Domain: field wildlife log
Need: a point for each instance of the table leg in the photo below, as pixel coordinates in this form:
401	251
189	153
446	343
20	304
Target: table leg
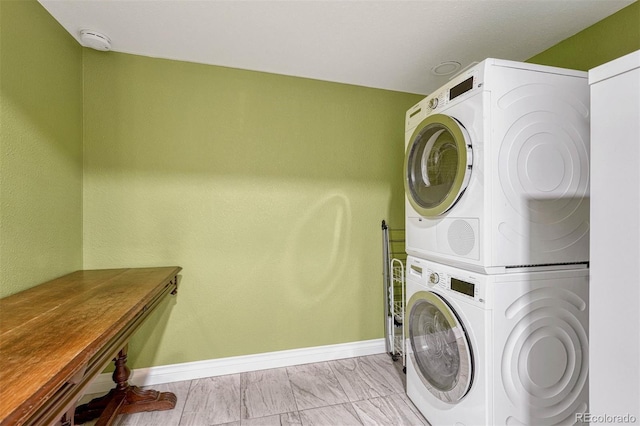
124	398
67	419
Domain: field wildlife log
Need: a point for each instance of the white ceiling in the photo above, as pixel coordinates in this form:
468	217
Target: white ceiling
390	44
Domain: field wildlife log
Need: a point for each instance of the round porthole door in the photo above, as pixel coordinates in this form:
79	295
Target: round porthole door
437	165
440	349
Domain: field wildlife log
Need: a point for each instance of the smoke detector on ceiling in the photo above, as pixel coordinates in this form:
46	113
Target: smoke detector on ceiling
95	40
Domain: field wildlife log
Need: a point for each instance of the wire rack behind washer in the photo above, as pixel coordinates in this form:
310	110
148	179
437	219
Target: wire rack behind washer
394	258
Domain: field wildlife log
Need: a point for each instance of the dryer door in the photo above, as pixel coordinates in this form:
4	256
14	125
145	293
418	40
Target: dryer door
437	165
440	349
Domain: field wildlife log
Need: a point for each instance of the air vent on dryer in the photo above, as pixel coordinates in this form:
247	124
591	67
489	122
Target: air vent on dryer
461	237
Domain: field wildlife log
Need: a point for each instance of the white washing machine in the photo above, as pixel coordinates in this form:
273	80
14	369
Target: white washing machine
497	169
508	349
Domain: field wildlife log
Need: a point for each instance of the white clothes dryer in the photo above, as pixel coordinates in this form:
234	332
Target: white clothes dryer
496	169
507	349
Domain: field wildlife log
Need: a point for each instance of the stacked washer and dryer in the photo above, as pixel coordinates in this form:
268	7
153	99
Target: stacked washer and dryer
497	237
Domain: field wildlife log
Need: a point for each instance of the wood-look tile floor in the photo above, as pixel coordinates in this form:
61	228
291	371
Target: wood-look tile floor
366	390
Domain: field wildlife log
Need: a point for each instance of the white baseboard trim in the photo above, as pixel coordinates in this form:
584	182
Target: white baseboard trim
240	364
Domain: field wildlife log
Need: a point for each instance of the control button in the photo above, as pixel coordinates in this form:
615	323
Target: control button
433	103
434	278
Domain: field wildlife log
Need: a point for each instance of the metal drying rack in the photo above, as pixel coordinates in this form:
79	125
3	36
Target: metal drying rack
394	258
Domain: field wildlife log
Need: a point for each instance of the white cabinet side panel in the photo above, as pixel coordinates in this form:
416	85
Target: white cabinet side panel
615	246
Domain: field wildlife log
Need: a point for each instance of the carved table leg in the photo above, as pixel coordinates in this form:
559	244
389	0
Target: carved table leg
124	398
67	418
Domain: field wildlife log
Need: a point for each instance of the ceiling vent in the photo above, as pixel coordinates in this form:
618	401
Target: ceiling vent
445	68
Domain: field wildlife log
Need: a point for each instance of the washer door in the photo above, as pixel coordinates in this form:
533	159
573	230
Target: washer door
437	165
440	347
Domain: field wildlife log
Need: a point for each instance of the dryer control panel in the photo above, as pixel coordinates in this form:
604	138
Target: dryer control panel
460	87
451	93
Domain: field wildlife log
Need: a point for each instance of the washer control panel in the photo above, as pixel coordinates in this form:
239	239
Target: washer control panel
455	282
461	286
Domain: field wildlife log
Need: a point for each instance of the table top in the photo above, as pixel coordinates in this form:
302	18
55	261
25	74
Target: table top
49	333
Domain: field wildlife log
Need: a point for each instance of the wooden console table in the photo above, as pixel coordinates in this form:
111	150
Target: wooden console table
56	337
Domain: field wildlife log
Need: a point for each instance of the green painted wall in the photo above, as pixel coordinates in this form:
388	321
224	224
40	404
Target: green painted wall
40	148
602	42
268	190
